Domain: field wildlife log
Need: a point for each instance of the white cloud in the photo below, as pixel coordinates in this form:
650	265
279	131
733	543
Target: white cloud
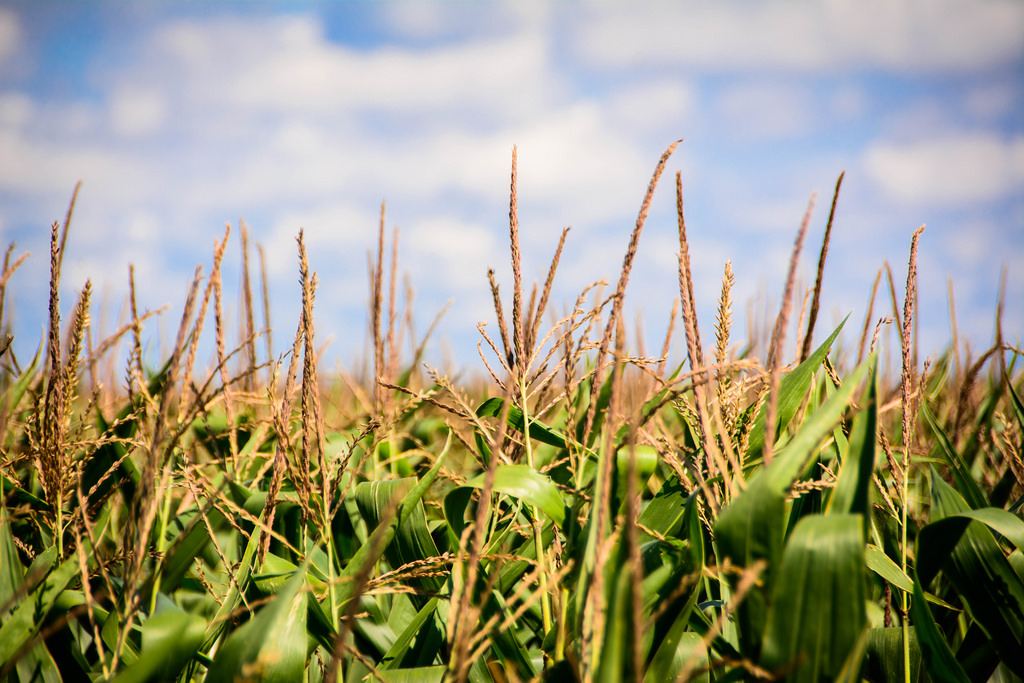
143	228
417	19
811	37
137	111
848	102
652	105
575	154
10	34
286	64
950	170
450	253
39	167
761	111
992	100
16	110
924	116
429	21
339	231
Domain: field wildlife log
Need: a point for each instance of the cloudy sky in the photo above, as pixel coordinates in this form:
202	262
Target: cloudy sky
181	117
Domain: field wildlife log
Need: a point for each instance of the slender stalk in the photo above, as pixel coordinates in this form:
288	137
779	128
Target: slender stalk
775	348
161	547
542	554
908	369
812	317
521	369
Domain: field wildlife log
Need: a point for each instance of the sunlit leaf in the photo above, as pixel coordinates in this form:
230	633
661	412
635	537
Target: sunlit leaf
272	645
817	614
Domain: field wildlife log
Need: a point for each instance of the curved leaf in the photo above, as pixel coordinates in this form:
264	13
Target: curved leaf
29	616
528	485
412	541
272	645
880	564
752	527
853	488
493	407
885	655
961	543
170	639
792	391
818	614
408	637
938	658
961	472
423	674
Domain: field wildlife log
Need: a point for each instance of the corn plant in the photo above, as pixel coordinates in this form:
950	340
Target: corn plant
579	510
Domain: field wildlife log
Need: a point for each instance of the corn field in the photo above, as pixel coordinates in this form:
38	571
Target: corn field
581	510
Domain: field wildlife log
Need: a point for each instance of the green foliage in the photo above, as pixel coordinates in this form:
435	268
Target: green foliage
581	517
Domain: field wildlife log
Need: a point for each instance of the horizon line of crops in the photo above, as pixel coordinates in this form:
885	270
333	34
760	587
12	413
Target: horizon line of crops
590	513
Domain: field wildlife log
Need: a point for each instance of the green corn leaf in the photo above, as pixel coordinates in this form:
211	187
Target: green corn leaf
411	636
12	574
98	465
603	398
792	391
852	490
940	537
528	485
374	498
412	541
880	564
851	669
37	663
234	597
191	540
24	623
16	391
275	574
276	571
539	431
679	649
790	462
455	504
681	644
664	513
884	662
14	494
984	424
752	527
818	614
1018	405
961	471
960	541
645	464
661	582
423	674
510	572
110	632
373	633
938	658
170	640
616	656
978	657
272	645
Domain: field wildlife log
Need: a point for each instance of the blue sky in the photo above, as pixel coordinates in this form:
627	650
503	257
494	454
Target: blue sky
179	117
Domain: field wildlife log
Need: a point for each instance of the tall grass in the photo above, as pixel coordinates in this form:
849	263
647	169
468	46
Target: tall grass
586	512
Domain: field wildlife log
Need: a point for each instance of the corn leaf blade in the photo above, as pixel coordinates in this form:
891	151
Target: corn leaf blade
818	611
272	645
